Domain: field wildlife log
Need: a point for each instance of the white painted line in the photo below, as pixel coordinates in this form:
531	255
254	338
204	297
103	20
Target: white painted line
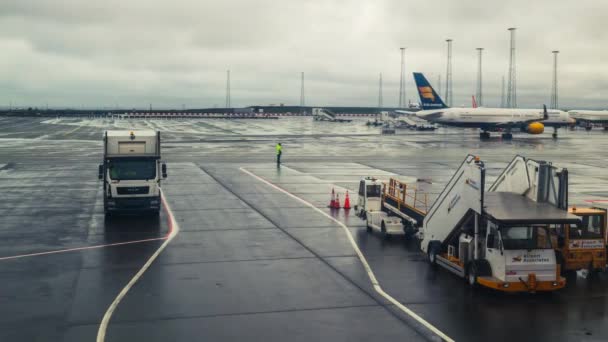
80	248
174	230
366	266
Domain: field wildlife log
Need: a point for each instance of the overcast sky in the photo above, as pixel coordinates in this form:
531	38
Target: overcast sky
134	52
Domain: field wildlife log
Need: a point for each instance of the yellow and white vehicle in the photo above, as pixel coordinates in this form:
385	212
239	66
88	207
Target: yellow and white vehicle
583	245
499	238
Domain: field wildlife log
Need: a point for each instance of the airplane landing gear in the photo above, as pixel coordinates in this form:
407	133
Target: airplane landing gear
484	135
507	136
554	133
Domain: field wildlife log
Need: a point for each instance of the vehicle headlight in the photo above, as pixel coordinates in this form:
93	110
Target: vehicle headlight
505	285
554	283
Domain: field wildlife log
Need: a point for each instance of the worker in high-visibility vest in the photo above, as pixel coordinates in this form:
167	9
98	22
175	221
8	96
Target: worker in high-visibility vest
279	148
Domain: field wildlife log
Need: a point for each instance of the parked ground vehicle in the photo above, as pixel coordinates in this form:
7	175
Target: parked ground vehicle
131	171
391	208
500	238
582	245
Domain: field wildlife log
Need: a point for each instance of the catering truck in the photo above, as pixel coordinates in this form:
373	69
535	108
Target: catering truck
131	172
500	238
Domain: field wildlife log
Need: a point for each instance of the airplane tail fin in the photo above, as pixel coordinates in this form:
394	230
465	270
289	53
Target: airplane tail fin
429	99
545	114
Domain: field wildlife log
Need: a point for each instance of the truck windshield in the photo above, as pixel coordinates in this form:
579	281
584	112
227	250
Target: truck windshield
374	190
130	169
525	237
591	227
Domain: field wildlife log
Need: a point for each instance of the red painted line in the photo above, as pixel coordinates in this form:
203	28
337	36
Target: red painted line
595	200
169	223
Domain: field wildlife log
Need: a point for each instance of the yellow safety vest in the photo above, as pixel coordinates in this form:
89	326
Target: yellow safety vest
279	148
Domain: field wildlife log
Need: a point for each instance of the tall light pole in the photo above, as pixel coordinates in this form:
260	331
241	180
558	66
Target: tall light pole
380	91
302	98
479	94
502	94
448	75
511	85
402	80
554	101
227	88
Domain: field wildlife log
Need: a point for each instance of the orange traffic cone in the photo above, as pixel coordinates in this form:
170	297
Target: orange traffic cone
347	201
337	201
332	202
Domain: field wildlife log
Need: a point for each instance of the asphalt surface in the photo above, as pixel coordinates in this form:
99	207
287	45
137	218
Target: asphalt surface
252	262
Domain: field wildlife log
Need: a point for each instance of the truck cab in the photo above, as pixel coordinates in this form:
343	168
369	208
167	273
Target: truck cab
370	196
583	245
131	172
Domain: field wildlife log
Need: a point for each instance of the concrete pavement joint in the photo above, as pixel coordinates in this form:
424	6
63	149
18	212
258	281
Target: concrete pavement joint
173	231
363	260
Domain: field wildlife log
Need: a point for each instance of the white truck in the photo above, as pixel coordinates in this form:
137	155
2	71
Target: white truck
131	172
384	208
500	238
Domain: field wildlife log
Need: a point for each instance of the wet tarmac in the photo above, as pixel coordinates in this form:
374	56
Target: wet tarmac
249	261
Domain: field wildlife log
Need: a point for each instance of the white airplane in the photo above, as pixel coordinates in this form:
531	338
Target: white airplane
531	121
590	117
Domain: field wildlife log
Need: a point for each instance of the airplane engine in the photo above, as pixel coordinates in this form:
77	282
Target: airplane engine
535	128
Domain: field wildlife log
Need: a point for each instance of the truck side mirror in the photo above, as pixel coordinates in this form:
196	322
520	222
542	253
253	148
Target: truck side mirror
490	241
164	170
100	174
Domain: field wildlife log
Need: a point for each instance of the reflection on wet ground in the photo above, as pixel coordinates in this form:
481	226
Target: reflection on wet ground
250	256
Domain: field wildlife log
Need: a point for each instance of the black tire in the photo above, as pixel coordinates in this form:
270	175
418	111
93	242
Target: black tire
559	259
472	275
363	215
477	268
368	227
433	251
383	231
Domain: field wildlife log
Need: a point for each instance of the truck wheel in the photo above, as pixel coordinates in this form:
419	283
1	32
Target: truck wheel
368	227
472	275
559	259
383	231
477	268
363	215
432	252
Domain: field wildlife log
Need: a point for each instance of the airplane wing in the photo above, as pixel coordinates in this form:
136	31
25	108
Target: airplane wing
405	112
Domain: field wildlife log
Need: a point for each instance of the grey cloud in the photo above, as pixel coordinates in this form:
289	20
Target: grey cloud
174	52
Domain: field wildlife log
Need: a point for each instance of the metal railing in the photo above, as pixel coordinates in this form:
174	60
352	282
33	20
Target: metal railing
405	194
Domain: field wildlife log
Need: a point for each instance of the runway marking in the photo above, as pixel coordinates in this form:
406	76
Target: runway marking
362	258
81	248
173	231
74	130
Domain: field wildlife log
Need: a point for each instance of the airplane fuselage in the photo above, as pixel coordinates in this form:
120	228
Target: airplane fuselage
489	118
592	116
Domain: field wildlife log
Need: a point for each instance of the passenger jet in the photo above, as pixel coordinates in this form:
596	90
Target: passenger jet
532	121
590	117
